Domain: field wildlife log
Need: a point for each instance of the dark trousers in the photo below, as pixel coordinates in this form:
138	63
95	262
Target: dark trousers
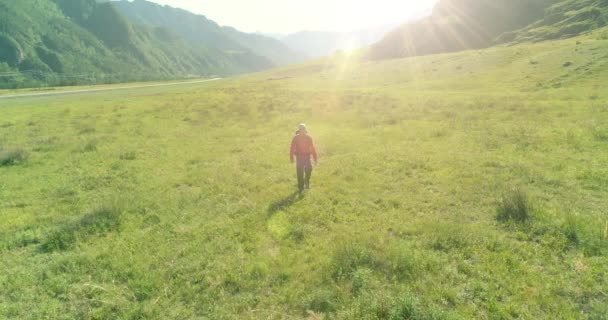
303	170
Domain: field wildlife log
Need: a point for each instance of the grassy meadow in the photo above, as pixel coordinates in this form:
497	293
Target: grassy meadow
460	186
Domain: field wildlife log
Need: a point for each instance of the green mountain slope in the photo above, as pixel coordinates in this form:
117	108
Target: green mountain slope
199	30
57	42
563	20
28	44
459	25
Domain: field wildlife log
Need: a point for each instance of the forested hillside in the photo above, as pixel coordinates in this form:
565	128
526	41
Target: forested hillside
66	42
199	30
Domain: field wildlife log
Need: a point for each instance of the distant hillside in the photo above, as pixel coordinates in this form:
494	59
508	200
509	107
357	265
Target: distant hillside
459	25
197	29
319	43
563	20
67	42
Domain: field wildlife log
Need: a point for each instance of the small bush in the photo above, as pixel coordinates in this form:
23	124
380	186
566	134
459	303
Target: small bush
514	206
12	157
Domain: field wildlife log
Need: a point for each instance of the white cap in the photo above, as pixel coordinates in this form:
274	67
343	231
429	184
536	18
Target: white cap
302	127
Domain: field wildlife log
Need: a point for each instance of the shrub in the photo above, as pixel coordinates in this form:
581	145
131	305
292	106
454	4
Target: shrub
514	206
12	157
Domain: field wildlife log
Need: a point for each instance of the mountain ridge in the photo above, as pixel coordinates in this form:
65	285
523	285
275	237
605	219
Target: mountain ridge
457	25
200	30
323	43
70	42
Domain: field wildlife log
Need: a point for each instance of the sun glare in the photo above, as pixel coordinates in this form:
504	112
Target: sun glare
288	16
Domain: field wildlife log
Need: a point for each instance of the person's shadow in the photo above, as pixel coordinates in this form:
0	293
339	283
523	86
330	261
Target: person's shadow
284	203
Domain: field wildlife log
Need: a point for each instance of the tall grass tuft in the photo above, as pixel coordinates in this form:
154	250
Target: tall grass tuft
12	157
99	221
321	301
514	206
347	259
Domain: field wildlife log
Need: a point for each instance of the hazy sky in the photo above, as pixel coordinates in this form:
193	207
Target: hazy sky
286	16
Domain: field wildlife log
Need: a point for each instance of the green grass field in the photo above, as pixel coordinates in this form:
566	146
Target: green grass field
460	186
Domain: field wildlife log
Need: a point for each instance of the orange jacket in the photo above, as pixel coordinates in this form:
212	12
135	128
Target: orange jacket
302	145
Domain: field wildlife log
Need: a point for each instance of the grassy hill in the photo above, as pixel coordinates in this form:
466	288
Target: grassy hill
469	185
457	25
61	42
563	20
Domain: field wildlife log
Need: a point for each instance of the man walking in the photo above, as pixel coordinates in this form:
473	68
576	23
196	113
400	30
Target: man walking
302	147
